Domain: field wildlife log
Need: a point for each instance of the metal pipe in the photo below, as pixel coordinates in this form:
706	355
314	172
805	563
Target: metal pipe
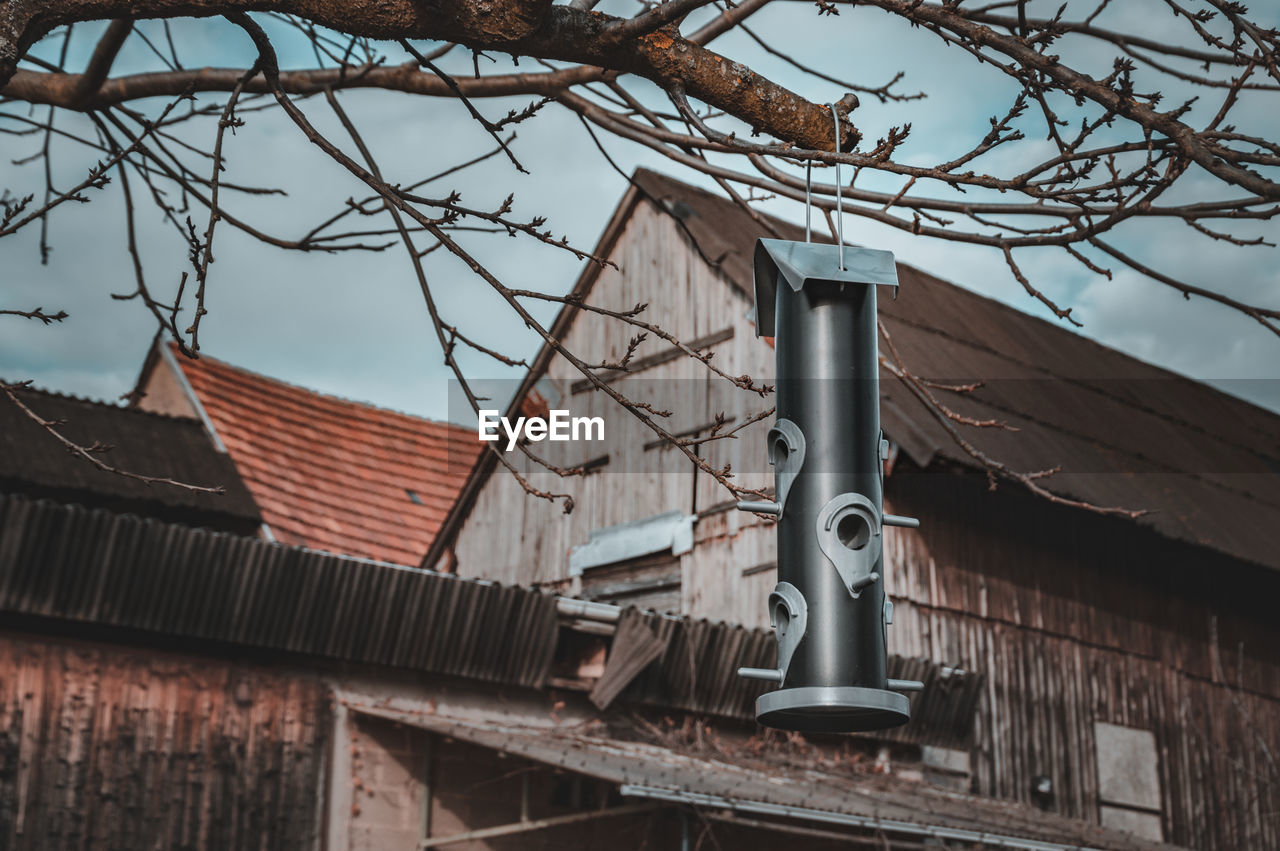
905	685
772	675
767	506
828	385
571	607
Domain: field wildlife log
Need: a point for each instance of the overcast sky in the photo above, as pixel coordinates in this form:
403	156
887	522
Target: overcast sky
354	324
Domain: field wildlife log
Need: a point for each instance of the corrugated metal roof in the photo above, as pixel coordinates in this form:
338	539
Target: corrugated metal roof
583	750
698	672
94	566
34	463
332	474
1125	433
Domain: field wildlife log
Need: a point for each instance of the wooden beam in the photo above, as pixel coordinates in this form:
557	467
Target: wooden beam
878	841
535	824
641	364
692	431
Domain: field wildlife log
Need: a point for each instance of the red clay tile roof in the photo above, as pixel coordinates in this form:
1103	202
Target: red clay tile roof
332	474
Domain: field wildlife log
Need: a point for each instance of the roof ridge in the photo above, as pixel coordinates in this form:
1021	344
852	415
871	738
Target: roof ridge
989	303
98	403
288	405
1063	329
1089	384
289	385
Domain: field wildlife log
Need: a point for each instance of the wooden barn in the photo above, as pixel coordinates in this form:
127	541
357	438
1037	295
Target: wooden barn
338	654
171	679
1130	667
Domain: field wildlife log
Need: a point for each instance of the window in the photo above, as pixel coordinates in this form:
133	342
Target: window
635	564
648	582
1128	780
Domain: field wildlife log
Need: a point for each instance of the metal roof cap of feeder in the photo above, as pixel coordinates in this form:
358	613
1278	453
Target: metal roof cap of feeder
800	262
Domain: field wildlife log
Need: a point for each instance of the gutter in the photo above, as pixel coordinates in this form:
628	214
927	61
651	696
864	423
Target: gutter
980	837
589	610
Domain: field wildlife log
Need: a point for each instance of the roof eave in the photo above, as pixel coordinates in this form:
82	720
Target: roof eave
486	461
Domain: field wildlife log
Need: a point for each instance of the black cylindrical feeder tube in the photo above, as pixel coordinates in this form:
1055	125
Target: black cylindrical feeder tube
828	384
828	609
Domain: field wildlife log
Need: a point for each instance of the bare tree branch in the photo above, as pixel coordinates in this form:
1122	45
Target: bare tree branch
1078	155
37	314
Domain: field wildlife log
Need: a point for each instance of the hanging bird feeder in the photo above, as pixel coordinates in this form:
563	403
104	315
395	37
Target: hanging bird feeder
829	610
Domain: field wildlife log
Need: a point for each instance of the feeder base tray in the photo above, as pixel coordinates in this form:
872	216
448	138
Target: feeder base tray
832	709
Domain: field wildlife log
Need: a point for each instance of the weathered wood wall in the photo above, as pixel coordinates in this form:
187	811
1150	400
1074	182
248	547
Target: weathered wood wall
512	538
1076	619
1073	619
110	748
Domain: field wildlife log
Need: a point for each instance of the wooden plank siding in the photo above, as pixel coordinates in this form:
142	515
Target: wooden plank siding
104	747
510	537
1076	619
1073	619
